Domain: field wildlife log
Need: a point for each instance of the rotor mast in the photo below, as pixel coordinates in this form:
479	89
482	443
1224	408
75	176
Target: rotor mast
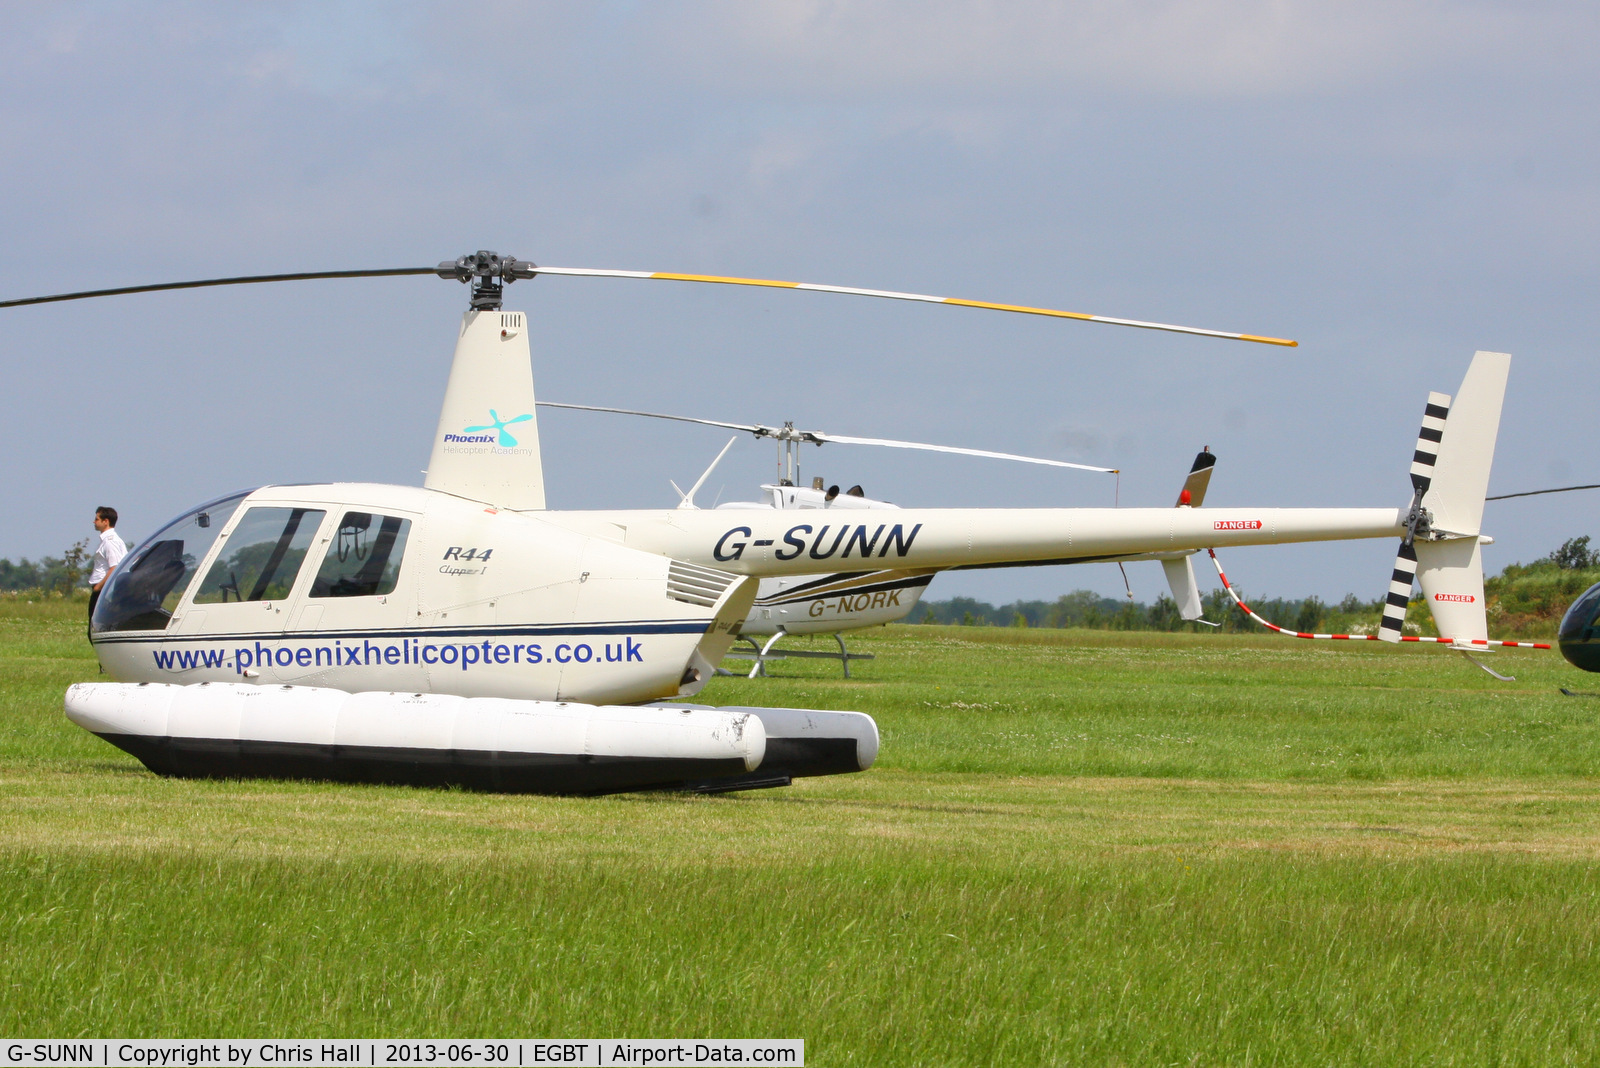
789	440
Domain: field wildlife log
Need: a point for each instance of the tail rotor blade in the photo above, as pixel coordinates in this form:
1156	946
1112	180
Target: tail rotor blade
1399	597
1428	438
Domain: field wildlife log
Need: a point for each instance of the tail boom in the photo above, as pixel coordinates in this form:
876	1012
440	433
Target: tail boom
771	544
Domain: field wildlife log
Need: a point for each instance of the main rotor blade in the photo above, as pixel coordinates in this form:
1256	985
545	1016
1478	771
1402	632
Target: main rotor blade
819	438
386	272
758	431
586	272
521	269
842	440
1535	493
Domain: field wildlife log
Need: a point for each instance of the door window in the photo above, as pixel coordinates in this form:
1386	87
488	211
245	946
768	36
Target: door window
262	556
364	558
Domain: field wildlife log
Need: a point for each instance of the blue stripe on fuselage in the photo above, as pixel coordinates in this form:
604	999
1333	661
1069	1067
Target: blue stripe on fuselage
394	633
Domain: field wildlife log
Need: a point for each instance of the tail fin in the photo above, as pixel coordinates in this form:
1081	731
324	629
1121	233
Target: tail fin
478	452
1194	487
1180	571
1461	474
1450	476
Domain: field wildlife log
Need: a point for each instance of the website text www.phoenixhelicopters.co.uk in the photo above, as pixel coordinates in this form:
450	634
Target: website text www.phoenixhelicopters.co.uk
464	655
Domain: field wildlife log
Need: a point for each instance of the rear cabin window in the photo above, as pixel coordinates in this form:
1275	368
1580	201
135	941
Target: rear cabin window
364	558
262	556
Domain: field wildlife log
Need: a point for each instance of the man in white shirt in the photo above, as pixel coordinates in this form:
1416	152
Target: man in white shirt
110	553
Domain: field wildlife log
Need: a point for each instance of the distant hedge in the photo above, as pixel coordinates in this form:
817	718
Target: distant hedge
1523	601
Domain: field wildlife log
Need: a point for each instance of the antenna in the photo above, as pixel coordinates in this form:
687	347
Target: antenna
688	498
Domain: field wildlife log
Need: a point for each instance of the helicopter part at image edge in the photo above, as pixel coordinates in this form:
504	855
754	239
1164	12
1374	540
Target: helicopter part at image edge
229	730
1579	633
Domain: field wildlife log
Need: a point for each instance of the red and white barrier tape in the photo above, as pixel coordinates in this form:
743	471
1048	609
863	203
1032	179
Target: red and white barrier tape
1479	642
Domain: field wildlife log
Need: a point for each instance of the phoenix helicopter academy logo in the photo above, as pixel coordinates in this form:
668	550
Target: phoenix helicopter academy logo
1236	524
493	432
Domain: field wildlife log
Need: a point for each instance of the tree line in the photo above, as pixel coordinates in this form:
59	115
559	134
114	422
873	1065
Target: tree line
49	574
1524	600
1092	611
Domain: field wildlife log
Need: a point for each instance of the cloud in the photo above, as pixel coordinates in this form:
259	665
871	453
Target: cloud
1078	441
1157	47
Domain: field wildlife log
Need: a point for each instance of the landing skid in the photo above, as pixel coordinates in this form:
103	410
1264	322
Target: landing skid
762	653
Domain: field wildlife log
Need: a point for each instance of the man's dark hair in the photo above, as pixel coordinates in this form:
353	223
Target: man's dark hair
108	514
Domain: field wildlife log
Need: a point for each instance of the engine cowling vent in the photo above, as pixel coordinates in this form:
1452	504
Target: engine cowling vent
697	585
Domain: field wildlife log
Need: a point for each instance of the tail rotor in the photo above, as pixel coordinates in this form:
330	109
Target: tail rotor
1441	549
1417	518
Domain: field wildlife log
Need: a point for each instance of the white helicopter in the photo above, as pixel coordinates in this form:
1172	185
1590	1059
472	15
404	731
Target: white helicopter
826	604
462	633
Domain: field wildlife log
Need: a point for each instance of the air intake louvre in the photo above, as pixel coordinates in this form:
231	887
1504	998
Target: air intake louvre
697	585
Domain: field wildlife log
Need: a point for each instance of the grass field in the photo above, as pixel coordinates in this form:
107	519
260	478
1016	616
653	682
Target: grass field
1077	848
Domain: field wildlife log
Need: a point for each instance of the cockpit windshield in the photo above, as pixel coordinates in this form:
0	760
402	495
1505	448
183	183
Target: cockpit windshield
147	586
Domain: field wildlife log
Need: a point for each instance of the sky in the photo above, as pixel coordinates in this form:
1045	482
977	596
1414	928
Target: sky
1395	185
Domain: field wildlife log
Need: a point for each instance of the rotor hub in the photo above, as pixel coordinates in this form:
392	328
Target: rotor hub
1418	523
489	273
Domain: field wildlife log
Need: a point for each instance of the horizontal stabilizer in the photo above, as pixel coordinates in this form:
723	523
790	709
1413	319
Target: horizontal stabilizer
1180	576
